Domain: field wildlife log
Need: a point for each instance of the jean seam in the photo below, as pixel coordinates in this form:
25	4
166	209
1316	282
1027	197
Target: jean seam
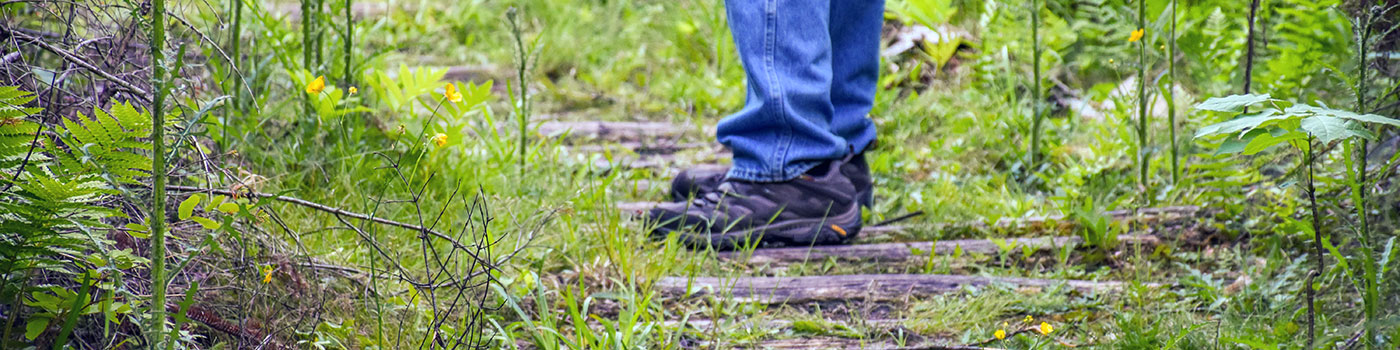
779	109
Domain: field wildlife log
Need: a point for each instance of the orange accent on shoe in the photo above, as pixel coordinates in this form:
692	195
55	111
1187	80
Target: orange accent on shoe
839	230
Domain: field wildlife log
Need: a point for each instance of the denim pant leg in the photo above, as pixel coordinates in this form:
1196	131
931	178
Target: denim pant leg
855	65
784	129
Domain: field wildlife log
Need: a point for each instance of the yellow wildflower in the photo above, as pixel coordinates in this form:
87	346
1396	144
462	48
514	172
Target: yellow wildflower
1000	334
353	90
1046	328
267	275
317	85
1137	35
440	139
452	94
1028	319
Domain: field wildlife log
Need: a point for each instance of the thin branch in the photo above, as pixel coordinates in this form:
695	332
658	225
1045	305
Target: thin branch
140	93
313	205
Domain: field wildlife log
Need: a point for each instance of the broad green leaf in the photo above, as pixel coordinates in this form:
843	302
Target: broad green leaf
1268	140
1236	144
138	230
1364	118
229	208
1232	103
206	222
214	203
35	327
1327	128
187	206
1244	123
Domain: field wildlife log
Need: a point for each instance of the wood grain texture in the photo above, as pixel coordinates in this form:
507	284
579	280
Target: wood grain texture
903	251
784	290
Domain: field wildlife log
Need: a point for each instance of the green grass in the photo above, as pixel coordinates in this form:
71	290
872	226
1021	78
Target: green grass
952	144
949	147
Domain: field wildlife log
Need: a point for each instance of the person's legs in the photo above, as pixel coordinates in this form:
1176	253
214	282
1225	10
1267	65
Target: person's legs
855	64
785	127
794	180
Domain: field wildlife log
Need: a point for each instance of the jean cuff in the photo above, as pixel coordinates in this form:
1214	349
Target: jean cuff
792	171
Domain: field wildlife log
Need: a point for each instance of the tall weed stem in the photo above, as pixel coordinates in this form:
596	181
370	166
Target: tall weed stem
522	107
1142	96
1036	118
1357	181
157	217
1170	93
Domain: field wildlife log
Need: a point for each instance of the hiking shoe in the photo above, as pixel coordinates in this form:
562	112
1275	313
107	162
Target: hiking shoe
818	208
690	183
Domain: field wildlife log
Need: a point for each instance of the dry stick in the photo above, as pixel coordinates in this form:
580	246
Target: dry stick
140	93
56	36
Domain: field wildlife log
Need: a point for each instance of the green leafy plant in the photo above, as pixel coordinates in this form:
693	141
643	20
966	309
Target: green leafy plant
53	202
1143	143
1298	125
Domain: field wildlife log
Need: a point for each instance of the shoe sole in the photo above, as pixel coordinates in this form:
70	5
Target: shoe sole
835	229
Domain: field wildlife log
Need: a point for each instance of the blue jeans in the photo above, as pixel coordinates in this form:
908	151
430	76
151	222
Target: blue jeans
811	81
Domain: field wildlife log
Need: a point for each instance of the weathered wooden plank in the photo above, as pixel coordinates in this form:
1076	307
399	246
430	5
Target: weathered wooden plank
632	131
1147	213
784	290
891	252
475	73
636	209
837	343
649	147
706	325
292	10
655	161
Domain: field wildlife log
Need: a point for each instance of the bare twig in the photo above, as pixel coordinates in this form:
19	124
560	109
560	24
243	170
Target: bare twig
316	206
140	93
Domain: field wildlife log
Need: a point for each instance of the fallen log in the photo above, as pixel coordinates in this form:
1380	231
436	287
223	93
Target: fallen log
785	290
891	252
